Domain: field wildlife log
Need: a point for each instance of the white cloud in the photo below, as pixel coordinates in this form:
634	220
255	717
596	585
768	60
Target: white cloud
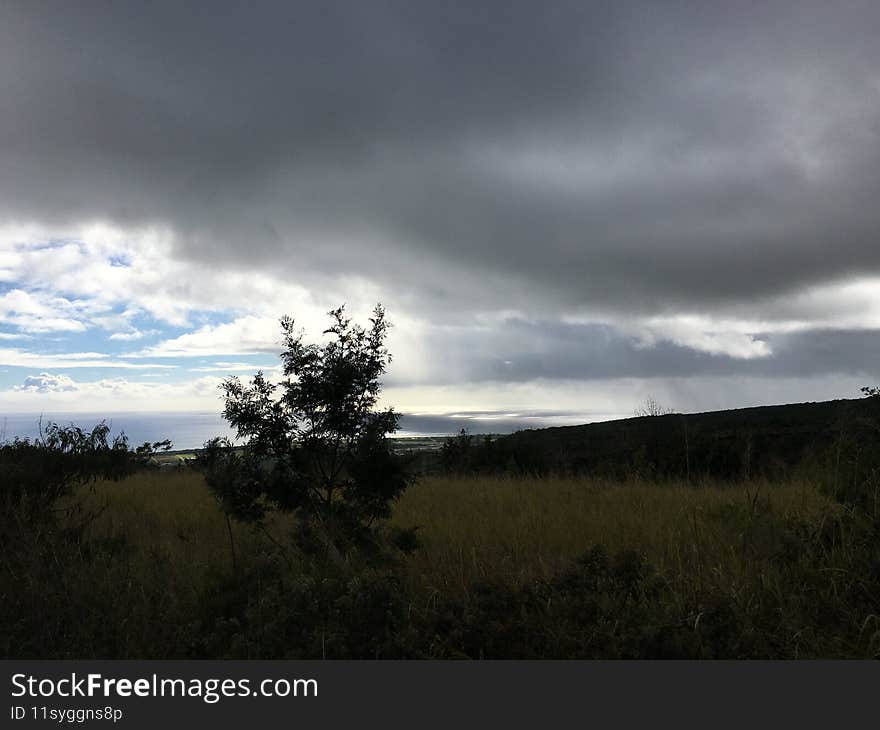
134	334
231	367
95	268
248	335
29	313
23	358
48	392
704	335
46	383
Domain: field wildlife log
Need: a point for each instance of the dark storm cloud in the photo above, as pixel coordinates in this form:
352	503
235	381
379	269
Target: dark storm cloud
632	157
518	351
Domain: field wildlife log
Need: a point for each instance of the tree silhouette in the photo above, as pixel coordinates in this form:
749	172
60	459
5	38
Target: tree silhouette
314	444
652	408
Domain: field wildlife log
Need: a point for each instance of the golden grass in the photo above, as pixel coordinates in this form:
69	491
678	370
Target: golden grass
512	530
171	520
522	529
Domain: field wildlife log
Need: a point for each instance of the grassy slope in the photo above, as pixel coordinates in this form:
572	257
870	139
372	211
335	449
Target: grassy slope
479	529
742	569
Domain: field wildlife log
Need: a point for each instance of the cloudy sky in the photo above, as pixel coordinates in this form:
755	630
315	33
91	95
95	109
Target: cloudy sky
566	207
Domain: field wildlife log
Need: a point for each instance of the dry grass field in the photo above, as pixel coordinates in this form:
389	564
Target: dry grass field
514	567
522	529
481	529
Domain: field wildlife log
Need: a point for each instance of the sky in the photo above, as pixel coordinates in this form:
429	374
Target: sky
566	208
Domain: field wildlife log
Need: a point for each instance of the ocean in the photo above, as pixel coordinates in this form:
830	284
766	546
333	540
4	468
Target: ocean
186	430
191	430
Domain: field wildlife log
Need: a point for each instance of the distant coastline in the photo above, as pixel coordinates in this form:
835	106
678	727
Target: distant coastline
191	430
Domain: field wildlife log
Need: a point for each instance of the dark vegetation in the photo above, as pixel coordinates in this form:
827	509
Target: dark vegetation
767	442
47	561
318	450
317	477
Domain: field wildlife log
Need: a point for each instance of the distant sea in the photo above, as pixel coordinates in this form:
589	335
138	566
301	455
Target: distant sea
191	430
186	430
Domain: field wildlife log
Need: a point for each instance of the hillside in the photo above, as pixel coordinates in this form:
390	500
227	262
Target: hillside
768	441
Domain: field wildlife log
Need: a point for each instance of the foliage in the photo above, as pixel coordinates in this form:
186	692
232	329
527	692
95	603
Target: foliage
61	592
34	475
851	464
314	444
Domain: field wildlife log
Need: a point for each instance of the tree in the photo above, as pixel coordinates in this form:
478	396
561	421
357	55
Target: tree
652	408
456	453
314	444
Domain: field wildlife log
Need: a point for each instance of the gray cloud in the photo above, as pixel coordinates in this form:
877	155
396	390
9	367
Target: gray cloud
520	351
628	158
